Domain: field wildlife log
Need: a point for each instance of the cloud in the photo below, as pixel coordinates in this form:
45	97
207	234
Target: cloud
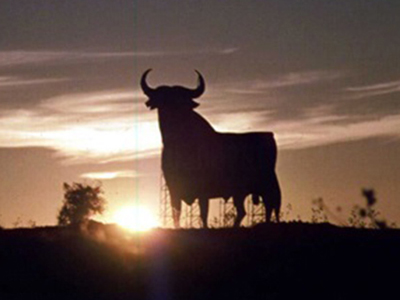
104	127
15	58
20	57
287	80
94	102
373	90
322	127
240	121
298	78
111	175
99	135
15	82
315	133
113	125
319	126
229	50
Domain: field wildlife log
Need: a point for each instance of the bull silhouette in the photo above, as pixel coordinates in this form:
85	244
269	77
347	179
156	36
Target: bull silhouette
201	163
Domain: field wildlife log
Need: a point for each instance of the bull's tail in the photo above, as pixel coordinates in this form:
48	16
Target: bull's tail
273	199
276	196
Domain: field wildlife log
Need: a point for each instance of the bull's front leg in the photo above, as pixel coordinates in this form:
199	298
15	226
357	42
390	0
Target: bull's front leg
176	211
238	201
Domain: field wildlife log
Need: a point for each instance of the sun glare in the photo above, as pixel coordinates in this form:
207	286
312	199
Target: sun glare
136	218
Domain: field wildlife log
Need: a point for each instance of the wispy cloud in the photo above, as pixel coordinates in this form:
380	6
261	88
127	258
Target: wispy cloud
15	82
283	81
94	102
19	57
106	136
11	58
320	126
113	125
240	121
315	132
110	130
298	78
111	175
374	90
229	50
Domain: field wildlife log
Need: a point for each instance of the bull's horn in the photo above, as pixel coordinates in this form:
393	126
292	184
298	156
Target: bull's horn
146	89
197	92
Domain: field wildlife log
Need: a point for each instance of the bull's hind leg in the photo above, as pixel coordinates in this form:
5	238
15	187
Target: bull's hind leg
268	208
203	203
272	198
238	201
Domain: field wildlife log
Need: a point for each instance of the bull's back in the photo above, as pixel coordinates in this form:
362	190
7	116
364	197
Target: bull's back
251	148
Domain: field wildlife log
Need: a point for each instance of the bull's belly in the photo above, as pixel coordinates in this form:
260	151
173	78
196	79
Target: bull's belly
193	188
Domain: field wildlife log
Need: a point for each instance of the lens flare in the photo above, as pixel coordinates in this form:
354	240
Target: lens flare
136	218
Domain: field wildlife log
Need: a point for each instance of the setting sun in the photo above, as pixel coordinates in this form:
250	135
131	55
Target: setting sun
135	218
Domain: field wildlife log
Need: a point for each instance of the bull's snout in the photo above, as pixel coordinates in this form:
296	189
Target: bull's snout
149	105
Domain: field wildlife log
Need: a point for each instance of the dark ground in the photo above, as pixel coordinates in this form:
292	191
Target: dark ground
285	261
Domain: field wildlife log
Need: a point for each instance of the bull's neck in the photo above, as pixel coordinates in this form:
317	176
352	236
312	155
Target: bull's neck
182	126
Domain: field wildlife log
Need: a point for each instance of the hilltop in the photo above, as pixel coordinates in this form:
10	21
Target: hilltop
268	261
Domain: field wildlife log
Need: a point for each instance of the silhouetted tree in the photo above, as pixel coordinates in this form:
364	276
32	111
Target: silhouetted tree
81	201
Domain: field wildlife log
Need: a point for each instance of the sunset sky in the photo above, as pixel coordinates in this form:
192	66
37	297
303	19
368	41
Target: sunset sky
323	75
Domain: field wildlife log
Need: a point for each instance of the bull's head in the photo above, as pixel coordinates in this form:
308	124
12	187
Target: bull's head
172	96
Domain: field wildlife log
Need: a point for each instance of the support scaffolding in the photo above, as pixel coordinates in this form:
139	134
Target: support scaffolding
165	217
190	214
254	213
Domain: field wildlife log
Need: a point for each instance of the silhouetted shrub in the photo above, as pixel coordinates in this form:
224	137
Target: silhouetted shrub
18	222
360	216
81	201
368	216
318	211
